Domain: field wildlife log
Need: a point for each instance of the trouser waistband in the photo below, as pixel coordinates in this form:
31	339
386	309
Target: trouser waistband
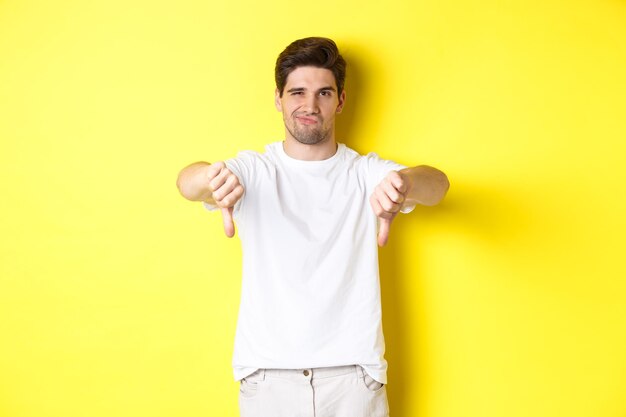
312	373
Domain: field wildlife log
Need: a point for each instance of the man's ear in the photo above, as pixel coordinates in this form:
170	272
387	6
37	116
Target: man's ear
277	102
342	100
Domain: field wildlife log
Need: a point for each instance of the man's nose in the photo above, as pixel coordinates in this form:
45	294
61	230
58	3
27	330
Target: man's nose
311	104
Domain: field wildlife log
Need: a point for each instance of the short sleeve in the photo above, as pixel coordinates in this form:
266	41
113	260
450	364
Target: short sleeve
377	169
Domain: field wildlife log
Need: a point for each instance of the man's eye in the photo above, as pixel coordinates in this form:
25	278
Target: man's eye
325	93
296	93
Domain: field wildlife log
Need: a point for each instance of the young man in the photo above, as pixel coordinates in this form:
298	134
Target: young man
309	211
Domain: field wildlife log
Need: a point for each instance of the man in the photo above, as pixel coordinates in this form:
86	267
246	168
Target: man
309	211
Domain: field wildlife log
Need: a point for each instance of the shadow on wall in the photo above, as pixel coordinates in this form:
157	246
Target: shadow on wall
357	92
487	214
493	213
473	212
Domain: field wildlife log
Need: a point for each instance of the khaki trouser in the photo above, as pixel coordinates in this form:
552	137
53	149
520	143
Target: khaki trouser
342	391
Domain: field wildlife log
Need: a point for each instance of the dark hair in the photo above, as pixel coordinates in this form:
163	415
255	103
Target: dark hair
315	52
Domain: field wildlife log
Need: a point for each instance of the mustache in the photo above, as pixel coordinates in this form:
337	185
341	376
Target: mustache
308	115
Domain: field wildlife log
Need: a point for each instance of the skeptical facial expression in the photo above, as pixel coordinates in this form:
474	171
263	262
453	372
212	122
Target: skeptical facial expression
309	104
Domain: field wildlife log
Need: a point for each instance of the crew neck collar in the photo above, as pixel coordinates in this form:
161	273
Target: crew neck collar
336	155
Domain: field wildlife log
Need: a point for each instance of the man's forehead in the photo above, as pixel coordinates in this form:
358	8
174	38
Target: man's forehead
311	77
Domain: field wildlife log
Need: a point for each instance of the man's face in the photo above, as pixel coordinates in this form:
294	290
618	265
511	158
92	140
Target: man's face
309	104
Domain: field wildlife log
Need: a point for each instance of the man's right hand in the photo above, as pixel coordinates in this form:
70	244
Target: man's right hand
226	190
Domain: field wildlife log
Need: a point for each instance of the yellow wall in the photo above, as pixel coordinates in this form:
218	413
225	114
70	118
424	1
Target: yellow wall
119	298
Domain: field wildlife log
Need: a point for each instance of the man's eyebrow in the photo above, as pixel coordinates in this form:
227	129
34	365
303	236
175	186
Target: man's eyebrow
297	89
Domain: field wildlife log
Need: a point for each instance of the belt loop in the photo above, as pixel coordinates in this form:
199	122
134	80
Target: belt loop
359	371
262	374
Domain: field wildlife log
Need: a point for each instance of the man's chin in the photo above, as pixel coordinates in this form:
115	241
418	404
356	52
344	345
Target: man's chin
308	136
309	141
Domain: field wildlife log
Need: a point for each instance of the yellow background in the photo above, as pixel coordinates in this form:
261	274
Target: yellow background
119	298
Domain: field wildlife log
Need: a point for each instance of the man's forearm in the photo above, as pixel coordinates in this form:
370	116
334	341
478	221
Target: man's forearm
193	183
427	185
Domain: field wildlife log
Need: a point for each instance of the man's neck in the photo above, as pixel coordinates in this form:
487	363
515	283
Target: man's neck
317	152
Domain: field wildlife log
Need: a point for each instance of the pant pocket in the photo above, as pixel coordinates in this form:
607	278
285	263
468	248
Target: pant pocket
249	386
371	384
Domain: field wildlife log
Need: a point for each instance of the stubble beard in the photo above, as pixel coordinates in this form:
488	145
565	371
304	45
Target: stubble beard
306	136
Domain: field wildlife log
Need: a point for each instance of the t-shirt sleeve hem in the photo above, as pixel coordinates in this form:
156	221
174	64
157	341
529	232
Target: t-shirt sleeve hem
210	207
407	209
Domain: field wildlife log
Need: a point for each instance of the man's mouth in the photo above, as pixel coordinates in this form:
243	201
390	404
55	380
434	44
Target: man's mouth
306	120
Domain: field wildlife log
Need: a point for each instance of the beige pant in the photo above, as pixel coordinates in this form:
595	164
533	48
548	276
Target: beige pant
342	391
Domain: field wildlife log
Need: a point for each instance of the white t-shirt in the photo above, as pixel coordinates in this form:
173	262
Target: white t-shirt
310	294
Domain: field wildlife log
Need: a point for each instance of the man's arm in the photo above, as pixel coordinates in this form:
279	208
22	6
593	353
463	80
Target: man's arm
422	184
425	185
214	184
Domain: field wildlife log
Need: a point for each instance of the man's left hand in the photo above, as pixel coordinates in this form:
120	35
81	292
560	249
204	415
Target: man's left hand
387	200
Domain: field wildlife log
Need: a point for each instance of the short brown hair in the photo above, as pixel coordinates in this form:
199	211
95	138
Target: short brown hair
315	52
